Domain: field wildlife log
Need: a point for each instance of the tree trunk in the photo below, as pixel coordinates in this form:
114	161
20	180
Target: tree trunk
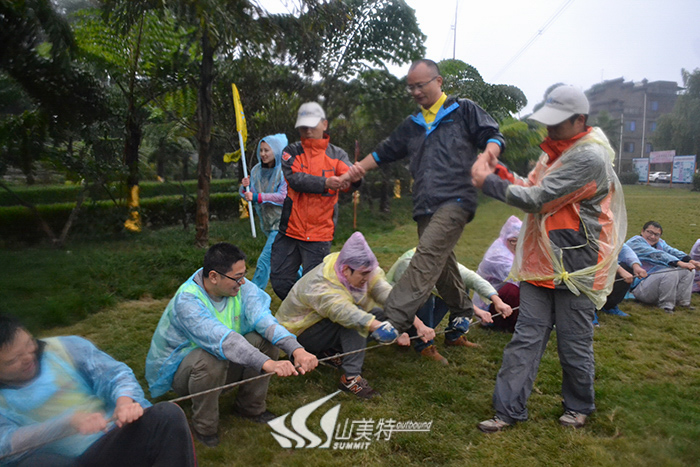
206	122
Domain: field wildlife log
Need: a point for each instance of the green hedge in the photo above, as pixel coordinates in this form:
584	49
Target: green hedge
104	217
629	178
53	194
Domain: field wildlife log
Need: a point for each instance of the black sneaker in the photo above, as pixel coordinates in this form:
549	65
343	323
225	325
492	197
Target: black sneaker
261	418
358	386
210	441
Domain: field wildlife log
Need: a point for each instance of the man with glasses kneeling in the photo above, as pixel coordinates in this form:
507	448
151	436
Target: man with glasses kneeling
216	330
670	271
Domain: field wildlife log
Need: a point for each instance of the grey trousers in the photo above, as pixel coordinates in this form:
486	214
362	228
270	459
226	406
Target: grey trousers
540	310
201	370
666	289
433	265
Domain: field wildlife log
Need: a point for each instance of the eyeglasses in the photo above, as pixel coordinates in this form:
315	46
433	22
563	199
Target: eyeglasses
238	281
652	234
419	86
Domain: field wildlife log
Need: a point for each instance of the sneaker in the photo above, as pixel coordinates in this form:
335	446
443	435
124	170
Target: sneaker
386	333
460	324
260	418
573	419
493	425
210	441
669	310
461	341
616	312
327	357
358	386
431	353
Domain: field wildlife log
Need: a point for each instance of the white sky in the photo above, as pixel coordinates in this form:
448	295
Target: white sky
590	40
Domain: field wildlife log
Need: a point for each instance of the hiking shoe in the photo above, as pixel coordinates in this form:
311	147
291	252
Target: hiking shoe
461	341
493	425
573	419
327	357
386	333
260	418
431	353
616	312
210	441
460	325
358	386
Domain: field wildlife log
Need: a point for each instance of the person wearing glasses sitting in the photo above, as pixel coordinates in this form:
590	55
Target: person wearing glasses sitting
442	140
670	271
216	330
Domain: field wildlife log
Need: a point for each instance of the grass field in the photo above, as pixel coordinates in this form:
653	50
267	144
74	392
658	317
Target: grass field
647	366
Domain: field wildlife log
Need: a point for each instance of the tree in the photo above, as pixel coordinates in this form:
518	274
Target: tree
611	128
463	80
680	130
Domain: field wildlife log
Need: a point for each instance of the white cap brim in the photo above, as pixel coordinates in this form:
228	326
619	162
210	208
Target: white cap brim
550	116
310	122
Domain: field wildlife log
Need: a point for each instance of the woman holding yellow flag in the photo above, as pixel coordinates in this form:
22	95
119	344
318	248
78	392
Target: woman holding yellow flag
267	192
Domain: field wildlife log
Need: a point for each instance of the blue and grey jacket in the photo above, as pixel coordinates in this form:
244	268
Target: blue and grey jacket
442	153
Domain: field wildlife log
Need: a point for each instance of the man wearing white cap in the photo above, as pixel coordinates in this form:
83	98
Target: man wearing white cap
567	258
312	168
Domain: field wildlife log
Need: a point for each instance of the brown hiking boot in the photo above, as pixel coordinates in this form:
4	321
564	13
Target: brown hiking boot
431	353
460	342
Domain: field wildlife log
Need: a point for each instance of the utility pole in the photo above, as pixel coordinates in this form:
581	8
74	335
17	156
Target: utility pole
622	130
454	39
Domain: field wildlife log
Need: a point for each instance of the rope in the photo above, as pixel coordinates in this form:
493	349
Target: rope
662	271
65	434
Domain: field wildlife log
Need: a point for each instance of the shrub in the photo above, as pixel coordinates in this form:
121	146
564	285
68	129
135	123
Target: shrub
104	217
696	182
628	178
50	194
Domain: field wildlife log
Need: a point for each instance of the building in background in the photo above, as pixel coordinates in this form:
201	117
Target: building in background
636	108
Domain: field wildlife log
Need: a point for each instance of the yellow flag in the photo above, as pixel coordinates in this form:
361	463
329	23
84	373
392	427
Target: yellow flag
240	116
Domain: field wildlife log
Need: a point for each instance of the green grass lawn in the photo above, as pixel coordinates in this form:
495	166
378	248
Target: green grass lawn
648	365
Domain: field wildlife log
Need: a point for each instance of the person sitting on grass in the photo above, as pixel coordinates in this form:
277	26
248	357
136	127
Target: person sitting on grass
495	268
64	402
670	271
629	267
216	330
335	306
695	255
434	309
268	189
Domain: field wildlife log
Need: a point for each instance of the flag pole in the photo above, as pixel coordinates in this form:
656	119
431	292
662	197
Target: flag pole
241	128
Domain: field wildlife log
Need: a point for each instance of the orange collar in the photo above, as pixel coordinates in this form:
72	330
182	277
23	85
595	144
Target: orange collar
555	148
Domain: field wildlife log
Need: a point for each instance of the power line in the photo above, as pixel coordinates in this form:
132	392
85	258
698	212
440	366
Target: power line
539	32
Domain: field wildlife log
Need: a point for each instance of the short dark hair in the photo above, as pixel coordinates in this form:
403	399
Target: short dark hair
653	224
221	257
573	118
9	325
432	66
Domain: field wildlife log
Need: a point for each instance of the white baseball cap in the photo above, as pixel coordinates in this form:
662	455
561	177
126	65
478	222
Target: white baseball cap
560	104
310	114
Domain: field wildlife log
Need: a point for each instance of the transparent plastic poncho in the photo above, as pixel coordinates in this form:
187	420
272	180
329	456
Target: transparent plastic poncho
582	179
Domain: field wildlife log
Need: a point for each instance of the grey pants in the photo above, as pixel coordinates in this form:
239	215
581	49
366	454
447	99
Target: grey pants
668	288
201	370
540	310
433	265
327	335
